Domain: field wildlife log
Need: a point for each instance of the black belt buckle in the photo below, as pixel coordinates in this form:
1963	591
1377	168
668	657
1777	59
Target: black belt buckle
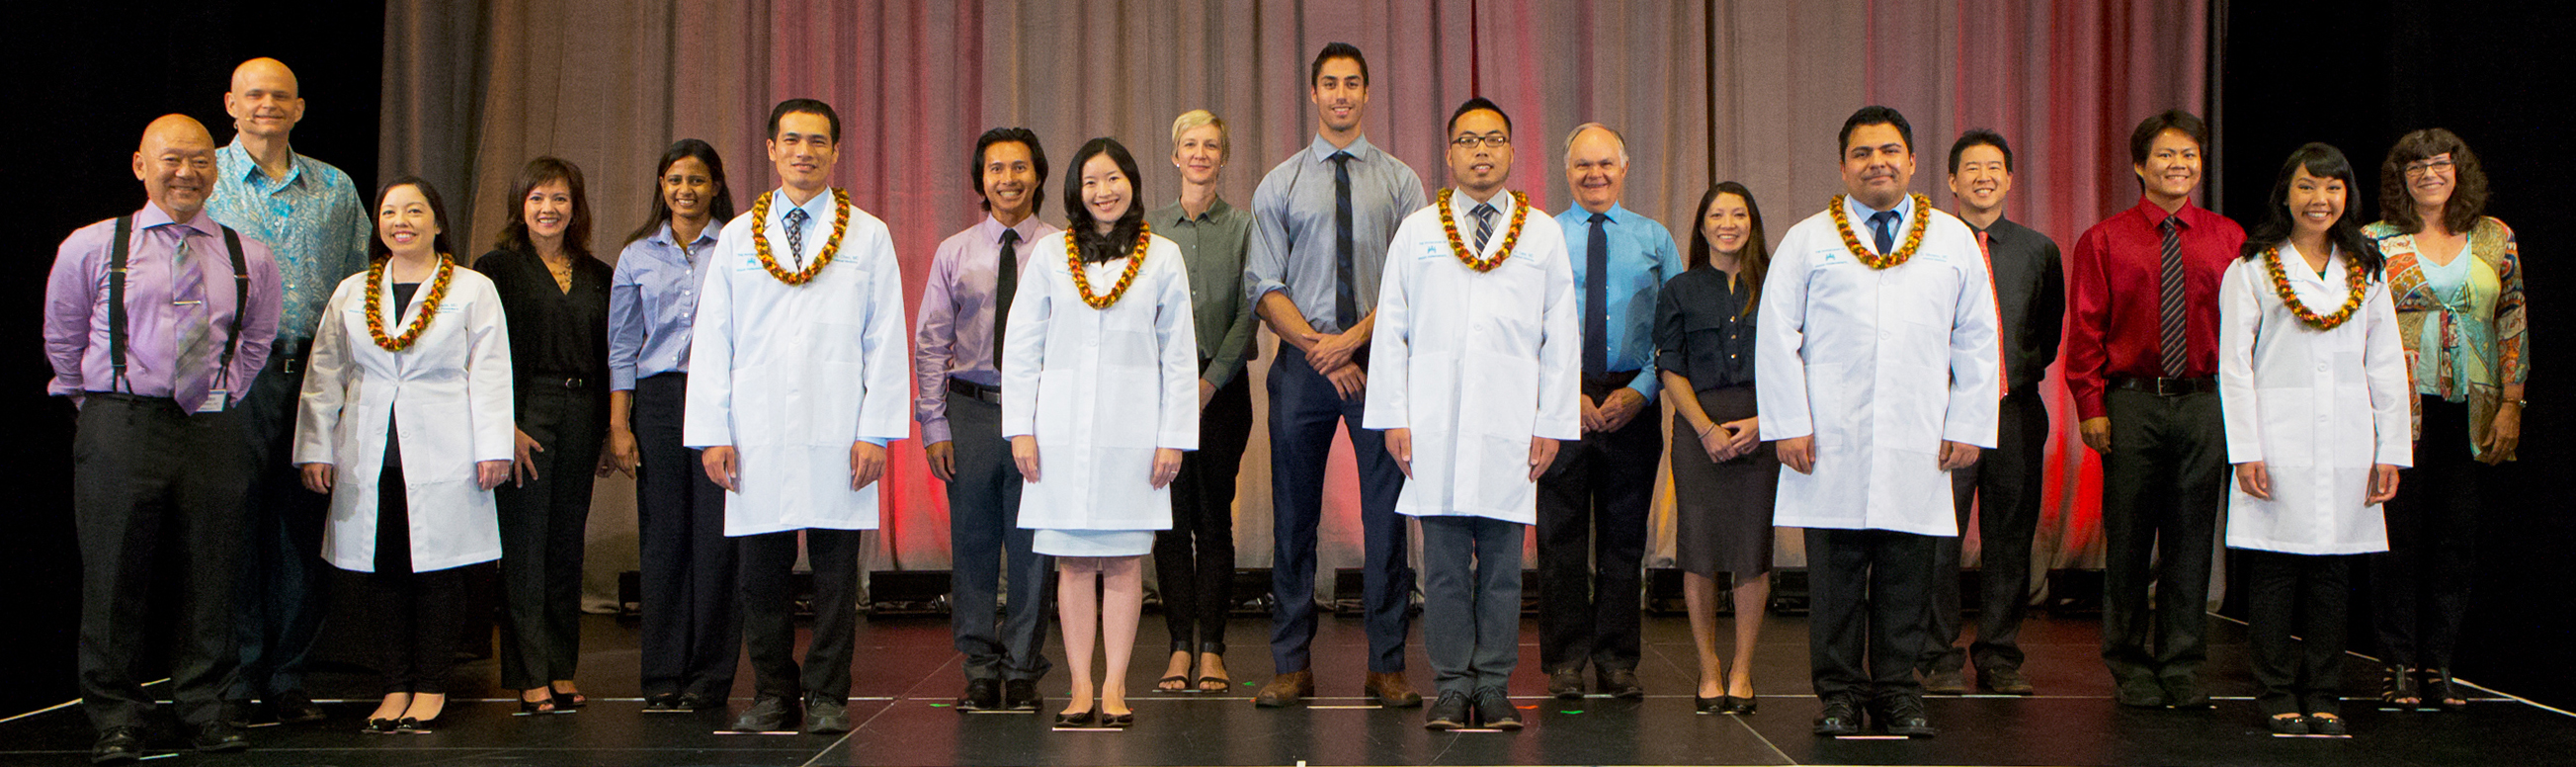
962	387
573	383
290	365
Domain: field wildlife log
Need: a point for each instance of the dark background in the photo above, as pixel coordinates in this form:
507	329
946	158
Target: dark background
2353	74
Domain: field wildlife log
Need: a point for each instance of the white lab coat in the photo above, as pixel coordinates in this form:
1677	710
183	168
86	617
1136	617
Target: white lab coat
1101	389
1880	366
450	391
1475	363
2318	408
792	375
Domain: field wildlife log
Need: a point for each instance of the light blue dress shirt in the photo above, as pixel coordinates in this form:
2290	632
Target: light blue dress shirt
1642	258
652	299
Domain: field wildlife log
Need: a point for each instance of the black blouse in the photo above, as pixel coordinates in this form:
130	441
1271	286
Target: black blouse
1702	332
553	334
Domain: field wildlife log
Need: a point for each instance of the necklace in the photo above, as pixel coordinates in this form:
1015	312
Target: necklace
1135	263
1913	234
2356	282
428	304
760	239
1458	245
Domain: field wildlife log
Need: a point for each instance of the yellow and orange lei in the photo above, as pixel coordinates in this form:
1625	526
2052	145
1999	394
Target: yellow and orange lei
2356	281
428	304
1905	252
1511	236
1135	263
760	239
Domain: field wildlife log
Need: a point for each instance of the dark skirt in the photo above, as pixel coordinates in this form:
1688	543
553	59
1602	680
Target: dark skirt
1722	511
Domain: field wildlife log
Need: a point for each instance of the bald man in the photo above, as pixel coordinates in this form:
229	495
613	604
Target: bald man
157	322
1592	502
309	215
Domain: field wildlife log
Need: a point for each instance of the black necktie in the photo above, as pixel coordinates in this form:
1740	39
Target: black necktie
2171	324
1596	298
1006	281
1346	297
1883	226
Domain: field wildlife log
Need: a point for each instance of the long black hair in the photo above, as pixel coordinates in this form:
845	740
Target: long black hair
376	249
1753	260
2322	161
1121	238
719	210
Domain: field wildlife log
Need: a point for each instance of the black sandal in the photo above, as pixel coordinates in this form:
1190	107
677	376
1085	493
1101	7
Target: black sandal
2397	688
2443	692
1180	679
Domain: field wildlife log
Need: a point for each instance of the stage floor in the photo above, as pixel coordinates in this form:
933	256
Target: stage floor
907	676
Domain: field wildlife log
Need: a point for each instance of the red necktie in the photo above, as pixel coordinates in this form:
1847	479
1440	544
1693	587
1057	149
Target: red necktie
2003	385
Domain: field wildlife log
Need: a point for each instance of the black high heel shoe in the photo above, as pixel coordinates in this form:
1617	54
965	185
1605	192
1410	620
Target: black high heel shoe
1081	719
545	705
380	726
412	726
1743	705
1716	705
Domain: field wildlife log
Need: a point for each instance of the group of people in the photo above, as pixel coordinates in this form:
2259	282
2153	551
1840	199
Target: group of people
1083	392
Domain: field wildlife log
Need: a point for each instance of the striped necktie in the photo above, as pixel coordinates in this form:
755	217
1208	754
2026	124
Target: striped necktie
190	380
2172	326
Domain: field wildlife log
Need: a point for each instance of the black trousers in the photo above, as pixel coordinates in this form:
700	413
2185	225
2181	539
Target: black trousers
156	495
1592	506
279	593
2161	486
542	526
2420	586
2302	594
2004	487
692	629
1194	561
1868	590
769	622
414	620
989	551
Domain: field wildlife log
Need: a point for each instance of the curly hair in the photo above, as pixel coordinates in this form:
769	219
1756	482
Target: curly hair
2468	195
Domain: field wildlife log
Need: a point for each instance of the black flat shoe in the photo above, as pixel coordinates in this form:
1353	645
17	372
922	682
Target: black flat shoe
412	726
379	726
2287	725
118	745
660	701
545	705
1082	719
1118	721
2327	725
219	738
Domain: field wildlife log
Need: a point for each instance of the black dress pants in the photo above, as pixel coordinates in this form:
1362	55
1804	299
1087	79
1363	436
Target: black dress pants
1194	561
2161	487
2302	594
2420	586
542	532
2004	487
692	633
1592	506
281	599
156	495
769	623
1868	590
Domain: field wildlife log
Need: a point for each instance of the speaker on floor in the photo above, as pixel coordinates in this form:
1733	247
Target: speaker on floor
908	592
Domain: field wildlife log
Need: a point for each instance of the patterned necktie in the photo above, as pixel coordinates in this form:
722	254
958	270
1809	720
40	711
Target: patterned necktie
1596	298
1006	282
2003	383
1882	227
1484	214
189	381
1346	300
2172	324
796	236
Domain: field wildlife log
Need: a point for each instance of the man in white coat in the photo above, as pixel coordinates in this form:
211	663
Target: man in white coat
1876	377
800	360
1475	379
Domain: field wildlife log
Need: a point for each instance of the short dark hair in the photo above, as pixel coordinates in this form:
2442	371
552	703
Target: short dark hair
2144	138
719	210
1874	115
540	171
1084	229
1980	137
2468	194
1037	157
376	249
806	106
1480	103
1336	51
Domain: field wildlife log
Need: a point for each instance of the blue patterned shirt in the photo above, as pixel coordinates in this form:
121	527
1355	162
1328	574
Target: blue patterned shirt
313	221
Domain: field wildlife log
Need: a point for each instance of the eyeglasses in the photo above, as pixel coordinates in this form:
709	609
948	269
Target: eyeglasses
1491	141
2419	169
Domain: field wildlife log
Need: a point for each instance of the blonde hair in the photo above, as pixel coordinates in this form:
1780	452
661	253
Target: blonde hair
1198	117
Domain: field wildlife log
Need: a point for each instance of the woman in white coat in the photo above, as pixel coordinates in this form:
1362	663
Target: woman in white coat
405	422
1100	377
2312	385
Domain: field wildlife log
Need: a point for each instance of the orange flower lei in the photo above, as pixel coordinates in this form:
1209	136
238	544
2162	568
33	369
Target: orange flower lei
760	239
2354	280
428	304
1135	263
1913	234
1511	236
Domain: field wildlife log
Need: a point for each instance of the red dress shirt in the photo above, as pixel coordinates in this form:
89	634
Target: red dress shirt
2115	291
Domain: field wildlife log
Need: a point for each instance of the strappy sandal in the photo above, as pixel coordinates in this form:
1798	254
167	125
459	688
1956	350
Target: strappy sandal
2397	688
2443	691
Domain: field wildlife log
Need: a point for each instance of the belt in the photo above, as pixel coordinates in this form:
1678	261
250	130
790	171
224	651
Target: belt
965	388
2168	387
553	382
289	354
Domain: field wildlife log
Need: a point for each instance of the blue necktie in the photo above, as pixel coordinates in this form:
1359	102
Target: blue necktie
1484	214
1883	225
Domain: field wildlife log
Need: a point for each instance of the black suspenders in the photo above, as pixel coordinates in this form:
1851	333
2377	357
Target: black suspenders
116	302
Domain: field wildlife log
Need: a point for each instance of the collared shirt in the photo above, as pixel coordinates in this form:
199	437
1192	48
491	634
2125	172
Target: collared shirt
1642	258
313	222
1703	332
2115	298
1293	228
952	336
652	297
1213	243
76	308
2030	300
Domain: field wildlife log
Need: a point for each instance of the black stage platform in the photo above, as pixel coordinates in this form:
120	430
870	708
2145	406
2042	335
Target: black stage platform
907	675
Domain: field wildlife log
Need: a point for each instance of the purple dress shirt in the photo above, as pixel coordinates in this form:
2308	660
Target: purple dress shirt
953	336
76	310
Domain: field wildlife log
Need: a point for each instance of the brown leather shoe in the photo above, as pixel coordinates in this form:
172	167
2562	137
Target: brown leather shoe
1390	690
1286	688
